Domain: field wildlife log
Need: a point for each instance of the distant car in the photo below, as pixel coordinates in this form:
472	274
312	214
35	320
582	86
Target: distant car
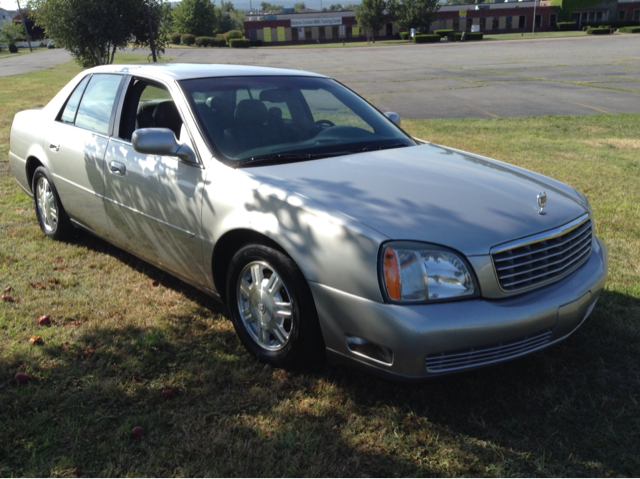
325	228
51	44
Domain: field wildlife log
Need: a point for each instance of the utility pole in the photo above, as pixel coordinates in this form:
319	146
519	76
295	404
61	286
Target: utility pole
533	31
153	44
24	25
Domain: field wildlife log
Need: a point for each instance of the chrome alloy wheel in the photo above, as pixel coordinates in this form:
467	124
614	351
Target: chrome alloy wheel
265	306
47	205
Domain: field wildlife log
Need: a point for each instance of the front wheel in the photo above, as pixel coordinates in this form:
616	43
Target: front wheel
272	308
52	217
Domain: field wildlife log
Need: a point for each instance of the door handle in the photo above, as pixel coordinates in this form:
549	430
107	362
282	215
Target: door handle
117	168
53	147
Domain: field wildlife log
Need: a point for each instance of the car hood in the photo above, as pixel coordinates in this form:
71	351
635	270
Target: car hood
431	193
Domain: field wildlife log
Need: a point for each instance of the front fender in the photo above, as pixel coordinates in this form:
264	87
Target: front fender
328	247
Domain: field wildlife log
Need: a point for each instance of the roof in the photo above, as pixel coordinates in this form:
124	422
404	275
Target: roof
185	71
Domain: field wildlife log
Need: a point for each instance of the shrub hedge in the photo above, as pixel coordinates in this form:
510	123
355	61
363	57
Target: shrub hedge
469	36
426	38
210	42
599	31
567	26
174	38
404	35
239	43
188	39
232	34
444	32
629	29
255	43
13	48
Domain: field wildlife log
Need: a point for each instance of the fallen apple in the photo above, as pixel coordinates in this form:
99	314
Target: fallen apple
22	378
37	340
166	393
44	320
138	432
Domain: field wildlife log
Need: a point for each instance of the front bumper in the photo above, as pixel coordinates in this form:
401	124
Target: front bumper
465	334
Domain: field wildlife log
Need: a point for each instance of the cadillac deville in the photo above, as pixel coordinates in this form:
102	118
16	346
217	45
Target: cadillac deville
326	229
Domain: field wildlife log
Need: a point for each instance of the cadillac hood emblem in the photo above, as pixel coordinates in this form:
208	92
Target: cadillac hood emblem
542	202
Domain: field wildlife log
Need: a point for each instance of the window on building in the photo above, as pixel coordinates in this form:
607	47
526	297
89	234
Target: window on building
307	33
389	28
253	34
349	31
592	17
598	16
538	21
495	23
483	24
456	25
294	34
321	33
622	15
335	31
553	19
636	15
522	22
508	22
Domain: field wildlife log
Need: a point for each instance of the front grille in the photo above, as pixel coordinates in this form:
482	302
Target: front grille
543	258
444	362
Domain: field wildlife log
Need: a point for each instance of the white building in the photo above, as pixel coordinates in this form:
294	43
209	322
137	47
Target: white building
5	16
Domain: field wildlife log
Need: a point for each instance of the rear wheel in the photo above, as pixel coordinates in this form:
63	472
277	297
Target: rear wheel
272	308
52	217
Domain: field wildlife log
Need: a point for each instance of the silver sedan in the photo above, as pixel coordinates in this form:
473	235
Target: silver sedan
327	230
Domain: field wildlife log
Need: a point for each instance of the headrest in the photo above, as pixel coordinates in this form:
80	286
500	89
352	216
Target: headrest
274	95
275	112
166	116
252	112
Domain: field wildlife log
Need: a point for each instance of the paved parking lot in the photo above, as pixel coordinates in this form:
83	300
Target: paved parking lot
564	76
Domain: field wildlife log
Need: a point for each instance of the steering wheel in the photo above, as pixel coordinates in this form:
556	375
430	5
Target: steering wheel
324	123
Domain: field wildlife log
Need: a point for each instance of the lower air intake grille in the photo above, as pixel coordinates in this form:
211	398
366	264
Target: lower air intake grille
543	258
444	362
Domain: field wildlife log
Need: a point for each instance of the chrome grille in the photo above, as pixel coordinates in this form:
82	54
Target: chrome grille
543	258
438	363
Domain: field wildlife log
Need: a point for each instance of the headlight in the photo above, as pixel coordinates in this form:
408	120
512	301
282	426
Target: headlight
418	272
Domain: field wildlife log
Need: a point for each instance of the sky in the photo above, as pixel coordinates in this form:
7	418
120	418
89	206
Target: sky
243	4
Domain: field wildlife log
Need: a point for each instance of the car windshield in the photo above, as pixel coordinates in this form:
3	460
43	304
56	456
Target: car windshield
252	120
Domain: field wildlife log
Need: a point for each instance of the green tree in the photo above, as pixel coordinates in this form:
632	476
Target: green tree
299	7
228	18
92	30
197	17
270	8
335	6
418	14
10	32
370	16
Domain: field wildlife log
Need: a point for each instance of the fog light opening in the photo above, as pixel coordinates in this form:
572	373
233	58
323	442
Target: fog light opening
369	350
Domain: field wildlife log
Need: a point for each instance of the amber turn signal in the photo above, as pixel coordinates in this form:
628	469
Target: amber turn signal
392	274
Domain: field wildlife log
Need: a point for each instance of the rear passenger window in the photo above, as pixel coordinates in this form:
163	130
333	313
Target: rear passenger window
97	102
70	109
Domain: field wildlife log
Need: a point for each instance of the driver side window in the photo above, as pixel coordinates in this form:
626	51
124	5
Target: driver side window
149	106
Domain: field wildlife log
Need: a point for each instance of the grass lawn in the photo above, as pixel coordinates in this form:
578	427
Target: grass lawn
116	341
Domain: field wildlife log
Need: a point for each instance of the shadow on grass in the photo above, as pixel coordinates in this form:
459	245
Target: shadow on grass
569	410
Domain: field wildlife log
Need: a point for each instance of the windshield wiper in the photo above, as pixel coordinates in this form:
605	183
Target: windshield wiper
286	157
383	147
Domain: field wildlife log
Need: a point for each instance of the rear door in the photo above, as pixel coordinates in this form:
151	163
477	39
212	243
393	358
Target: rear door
154	202
76	143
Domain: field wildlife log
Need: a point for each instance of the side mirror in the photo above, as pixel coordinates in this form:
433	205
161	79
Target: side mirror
161	141
394	117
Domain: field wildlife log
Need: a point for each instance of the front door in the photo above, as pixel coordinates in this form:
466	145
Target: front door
154	202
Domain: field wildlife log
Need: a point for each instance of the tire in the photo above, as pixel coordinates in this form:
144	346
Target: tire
272	308
53	219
